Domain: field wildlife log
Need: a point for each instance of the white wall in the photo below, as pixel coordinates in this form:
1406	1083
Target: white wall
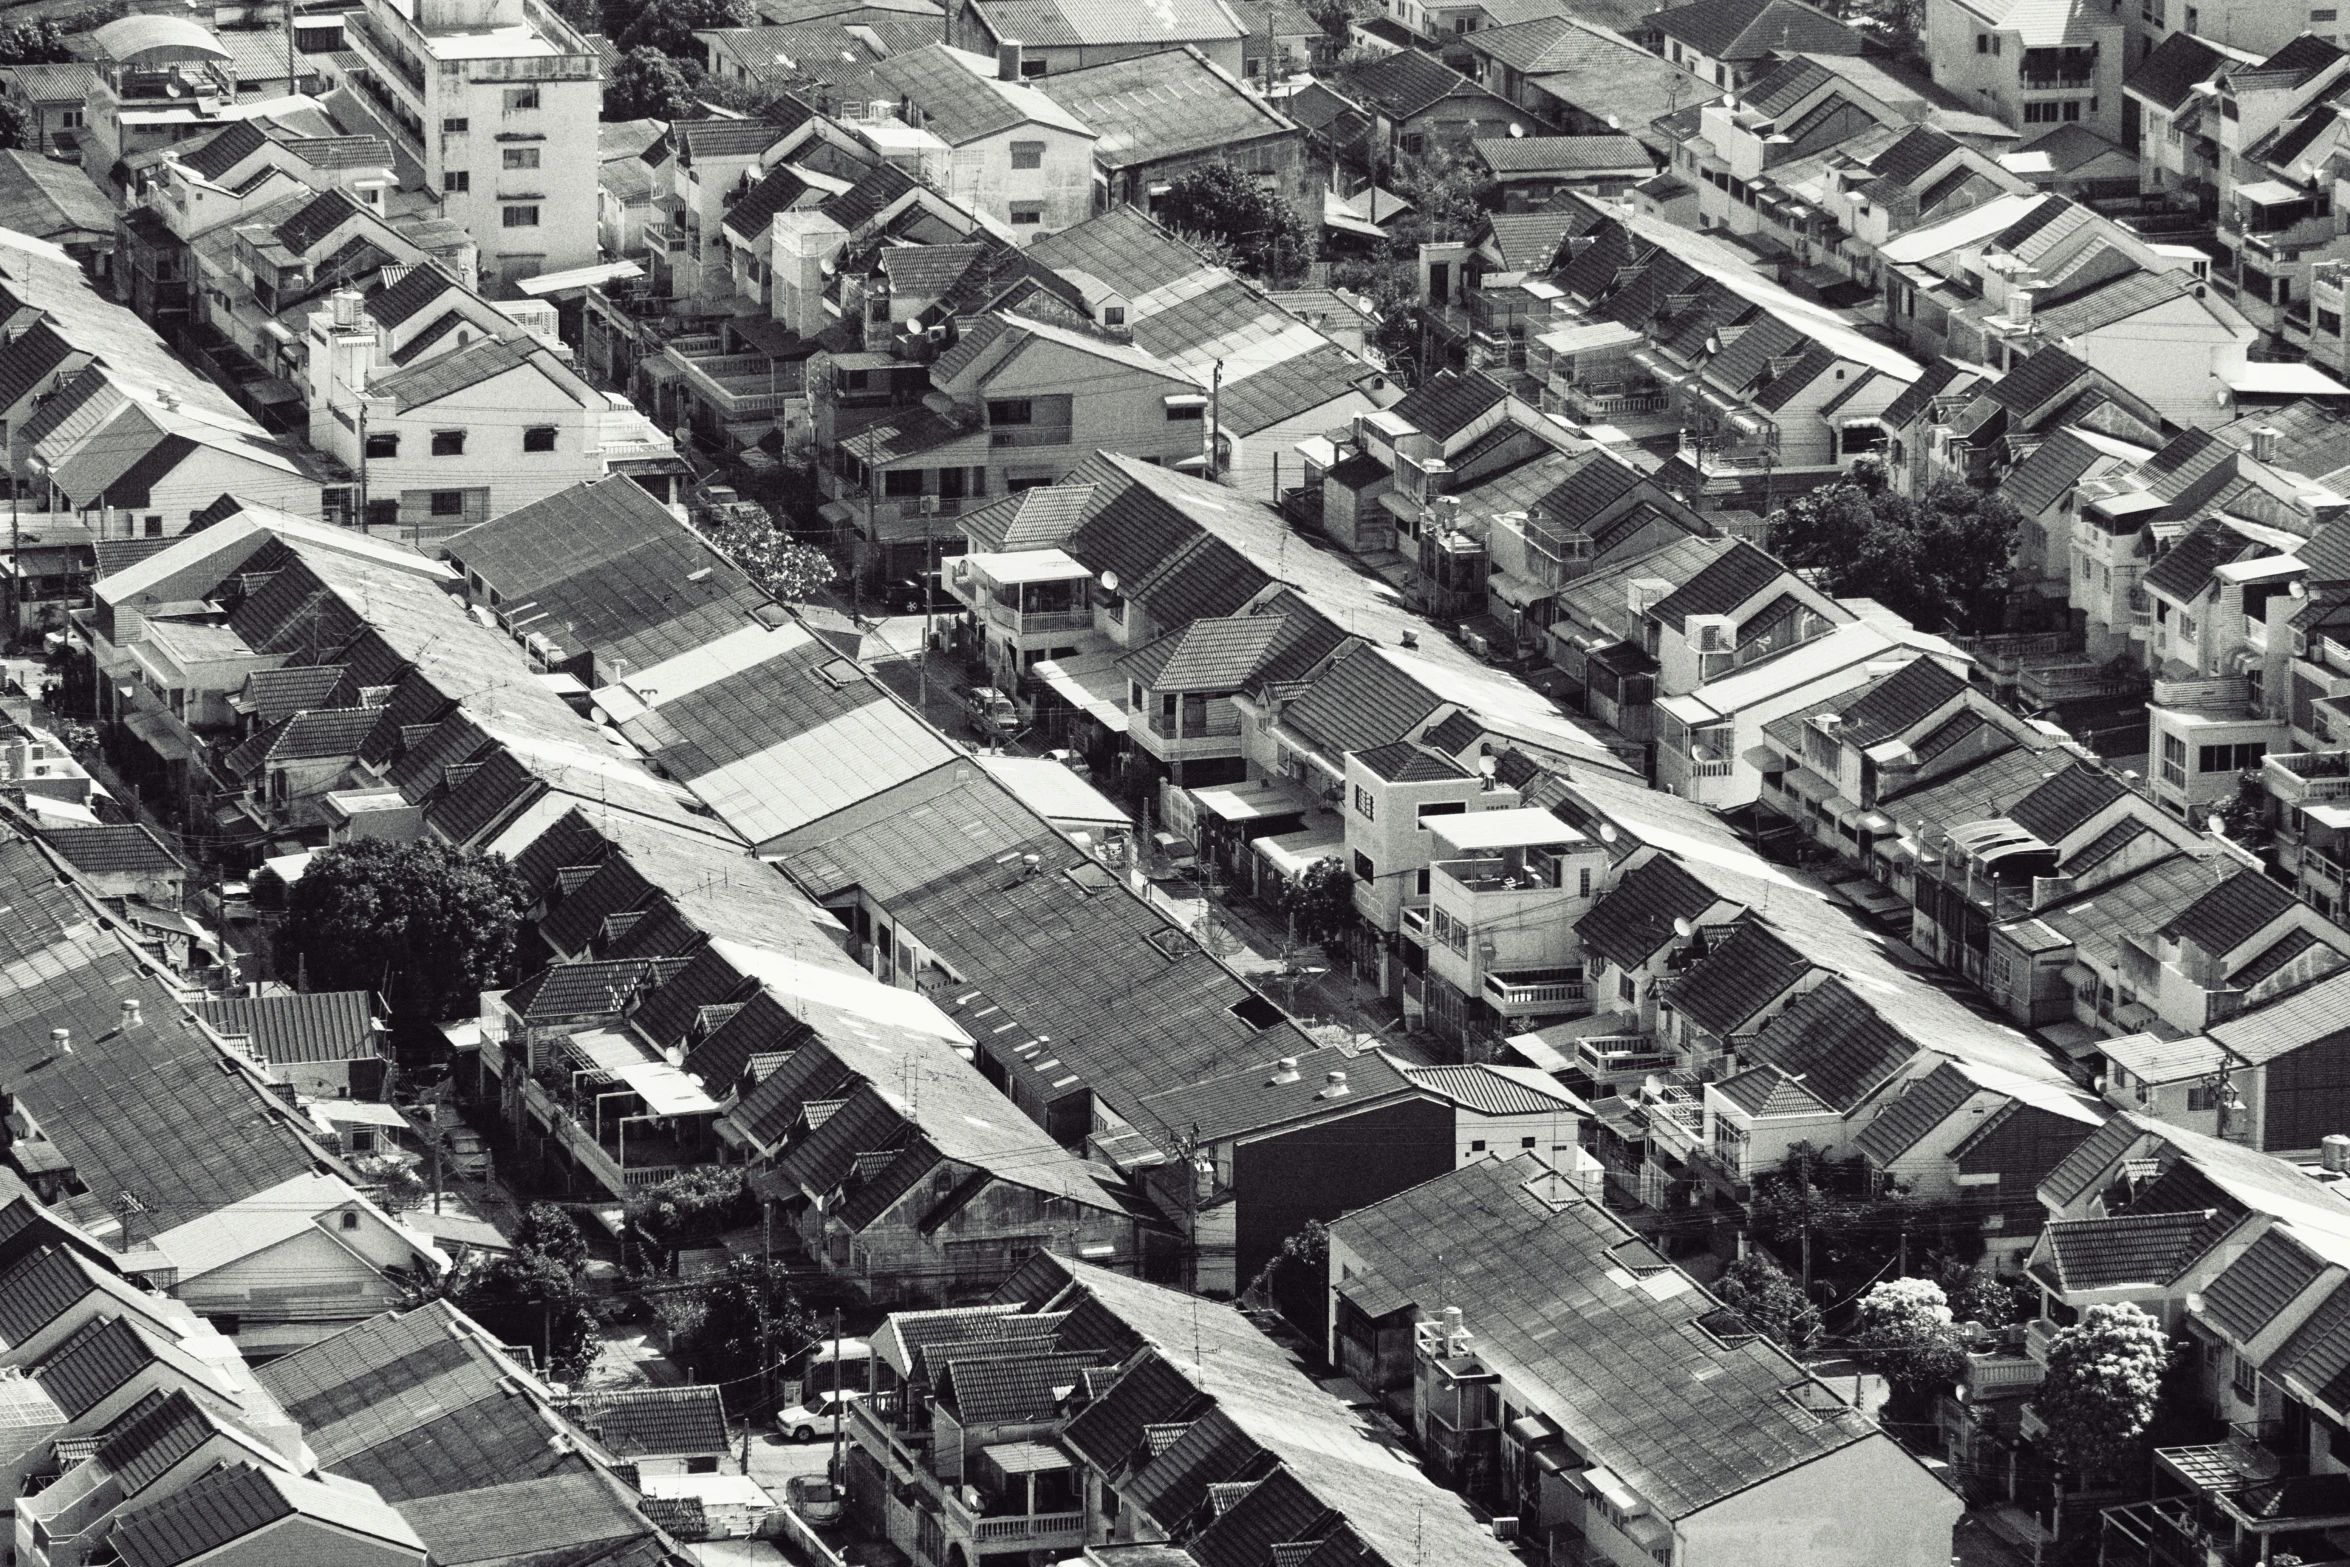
1868	1504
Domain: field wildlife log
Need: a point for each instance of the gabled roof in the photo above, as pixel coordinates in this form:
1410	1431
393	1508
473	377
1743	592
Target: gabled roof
485	360
1407	84
317	1025
1155	106
2115	1250
2060	805
1404	763
1635	917
962	101
96	851
1449	402
2055	466
1061	24
1836	1042
2174	68
634	1422
1899	702
2254	1290
1724	990
1749	29
1923	1104
1766	1090
2231	913
2037	381
234	1500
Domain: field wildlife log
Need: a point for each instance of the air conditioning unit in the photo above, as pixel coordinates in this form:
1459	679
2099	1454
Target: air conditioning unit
1712	633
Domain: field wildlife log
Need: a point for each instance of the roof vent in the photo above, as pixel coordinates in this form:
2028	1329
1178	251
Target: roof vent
130	1012
1337	1088
1284	1071
61	1041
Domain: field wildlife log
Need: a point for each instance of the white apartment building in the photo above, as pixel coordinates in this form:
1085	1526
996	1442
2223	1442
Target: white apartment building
498	99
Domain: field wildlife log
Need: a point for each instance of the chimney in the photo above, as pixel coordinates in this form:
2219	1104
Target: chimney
130	1012
1007	60
61	1041
2264	444
1337	1088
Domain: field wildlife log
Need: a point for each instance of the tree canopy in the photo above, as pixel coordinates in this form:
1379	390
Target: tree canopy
669	25
426	926
537	1294
742	1322
1902	1330
1262	233
1321	898
780	564
2104	1375
692	1206
1760	1290
1943	561
647	85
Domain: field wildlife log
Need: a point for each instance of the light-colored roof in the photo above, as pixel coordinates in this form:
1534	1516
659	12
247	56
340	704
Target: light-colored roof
158	38
1054	791
268	1218
1971	227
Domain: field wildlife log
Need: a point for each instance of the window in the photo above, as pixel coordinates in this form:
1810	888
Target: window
2040	113
1011	410
1186	413
2072	109
1027	212
2323	16
350	1219
456	182
520	157
2230	758
448	443
2174	761
2188	24
455	124
1028	155
539	438
522	217
383	446
2244	1381
1033	67
519	98
1477	1145
1585	888
1113	315
1525	1142
1982	43
448	503
1365	805
1420	881
902	482
1440	808
1363	869
154	526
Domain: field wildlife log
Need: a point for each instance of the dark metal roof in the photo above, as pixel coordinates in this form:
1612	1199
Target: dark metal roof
1914	155
2038	381
2254	1289
2174	68
319	1025
1900	702
38	1289
1406	84
1724	991
1923	1104
1836	1042
2186	568
2231	913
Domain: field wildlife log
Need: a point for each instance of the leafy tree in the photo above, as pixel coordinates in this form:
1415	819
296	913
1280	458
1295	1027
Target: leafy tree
392	1181
1336	18
1902	1330
2244	817
530	1298
1943	561
1451	199
752	1321
1978	1295
2104	1376
34	43
1760	1290
1320	898
670	25
647	85
780	564
548	1231
426	925
692	1206
1266	237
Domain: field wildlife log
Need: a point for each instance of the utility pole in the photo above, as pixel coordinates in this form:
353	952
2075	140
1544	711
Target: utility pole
834	1474
929	578
436	1169
293	79
1215	418
1803	1181
364	531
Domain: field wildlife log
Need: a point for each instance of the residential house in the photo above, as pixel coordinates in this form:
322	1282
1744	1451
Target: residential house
57	202
1513	1419
1422	109
657	1430
1729	42
1532	170
1159	116
328	1044
1580	78
1068	37
122	863
2163	86
51	100
496	106
2030	68
1012	153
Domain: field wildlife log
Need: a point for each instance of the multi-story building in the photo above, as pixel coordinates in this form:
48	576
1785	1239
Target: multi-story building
497	100
2031	67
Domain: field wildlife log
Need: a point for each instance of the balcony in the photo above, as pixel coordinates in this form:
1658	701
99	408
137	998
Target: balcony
1608	1057
1729	1176
608	1166
2322	872
1034	1531
2228	694
1606	404
2078	679
1536	990
1032	435
2002	1376
735	386
1712	459
1033	622
362	28
2307	777
1190	728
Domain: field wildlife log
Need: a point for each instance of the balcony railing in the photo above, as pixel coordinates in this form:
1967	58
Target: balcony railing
2075	679
2306	777
2003	1374
1709	458
361	26
1620	1055
1032	435
1024	623
1607	402
1206	729
1533	989
2322	871
1042	1531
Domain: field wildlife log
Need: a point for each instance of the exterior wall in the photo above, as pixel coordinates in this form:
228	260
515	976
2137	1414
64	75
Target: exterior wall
1553	1138
493	415
1265	462
1113	407
1808	1517
2172	356
202	477
2300	1099
980	177
335	1282
976	1249
1989	73
1320	1172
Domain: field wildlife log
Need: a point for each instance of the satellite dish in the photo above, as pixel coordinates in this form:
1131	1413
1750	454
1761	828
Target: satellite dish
1615	122
2297	588
2217	823
1109	582
1682	927
1607	832
1516	130
1488	766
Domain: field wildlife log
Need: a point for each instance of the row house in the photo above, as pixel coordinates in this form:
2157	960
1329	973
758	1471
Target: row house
1070	1413
1007	149
1081	37
2031	67
1505	1413
1732	42
2167	85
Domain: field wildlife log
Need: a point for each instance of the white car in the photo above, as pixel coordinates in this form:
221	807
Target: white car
806	1421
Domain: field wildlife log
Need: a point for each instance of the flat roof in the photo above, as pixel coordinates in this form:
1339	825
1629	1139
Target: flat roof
1516	827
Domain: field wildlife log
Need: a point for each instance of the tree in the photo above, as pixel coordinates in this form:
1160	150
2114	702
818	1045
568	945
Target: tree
2104	1375
531	1298
647	85
1337	18
1980	1296
1944	561
1760	1291
34	43
393	1182
1902	1330
1450	201
752	1321
1218	202
547	1231
1320	898
778	563
669	25
692	1206
426	925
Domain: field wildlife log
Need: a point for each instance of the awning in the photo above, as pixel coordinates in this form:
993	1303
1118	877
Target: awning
1518	592
1608	1487
1811	785
1553	1458
1022	1458
1291	853
579	277
157	734
1533	1430
1250	802
359	1112
1099	706
666	1090
836	513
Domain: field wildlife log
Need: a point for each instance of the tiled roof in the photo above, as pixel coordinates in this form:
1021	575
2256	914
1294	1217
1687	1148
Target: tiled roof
725	138
1900	702
1406	84
2128	1248
1359	702
1635	917
394	305
1008	1390
1724	990
1216	654
100	1356
1449	402
664	1421
2231	913
1152	106
318	1025
2185	569
1558	154
2062	804
1585	1320
2055	466
1402	762
2102	304
37	1289
1918	396
2308	1014
2318	1353
101	851
2079	1171
1923	1104
157	1432
1767	1091
233	145
2251	1291
1032	519
2174	67
1836	1042
2038	381
1749	29
1488	1090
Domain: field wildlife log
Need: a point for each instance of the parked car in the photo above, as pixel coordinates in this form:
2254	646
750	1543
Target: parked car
814	1498
464	1152
804	1422
993	715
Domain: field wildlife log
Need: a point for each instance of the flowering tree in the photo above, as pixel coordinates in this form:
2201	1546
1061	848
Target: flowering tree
2104	1374
1902	1330
772	558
